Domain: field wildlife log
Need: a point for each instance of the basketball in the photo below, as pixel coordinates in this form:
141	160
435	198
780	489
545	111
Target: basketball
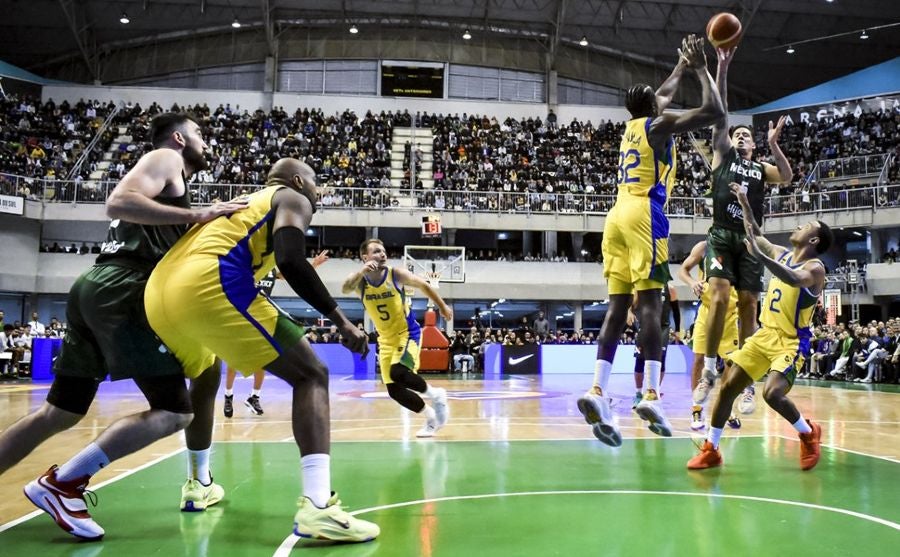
723	30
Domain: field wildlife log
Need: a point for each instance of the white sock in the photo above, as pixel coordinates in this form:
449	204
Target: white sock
198	466
652	370
86	463
602	371
429	391
715	434
709	362
801	426
316	472
255	392
229	392
428	411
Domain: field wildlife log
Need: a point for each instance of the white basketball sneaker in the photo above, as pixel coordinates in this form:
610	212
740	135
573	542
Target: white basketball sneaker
595	409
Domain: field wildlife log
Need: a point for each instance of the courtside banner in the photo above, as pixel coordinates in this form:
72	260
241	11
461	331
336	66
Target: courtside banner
832	302
12	205
521	360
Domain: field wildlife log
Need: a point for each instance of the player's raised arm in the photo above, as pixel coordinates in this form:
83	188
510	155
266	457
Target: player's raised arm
293	212
406	278
751	227
668	87
721	143
354	280
709	111
782	171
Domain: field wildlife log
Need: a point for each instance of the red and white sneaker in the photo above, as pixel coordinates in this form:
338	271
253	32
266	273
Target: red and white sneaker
64	502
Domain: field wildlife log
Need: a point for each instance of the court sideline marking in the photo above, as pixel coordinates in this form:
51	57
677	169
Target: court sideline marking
284	550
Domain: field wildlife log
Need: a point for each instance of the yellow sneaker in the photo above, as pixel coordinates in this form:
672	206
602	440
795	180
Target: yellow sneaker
331	522
196	497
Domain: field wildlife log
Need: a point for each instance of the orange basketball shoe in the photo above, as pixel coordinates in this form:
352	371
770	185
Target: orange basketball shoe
809	446
709	457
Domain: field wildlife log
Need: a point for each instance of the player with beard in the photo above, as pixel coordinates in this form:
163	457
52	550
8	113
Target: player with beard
108	334
727	262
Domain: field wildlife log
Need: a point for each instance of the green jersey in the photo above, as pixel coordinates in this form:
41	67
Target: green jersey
727	212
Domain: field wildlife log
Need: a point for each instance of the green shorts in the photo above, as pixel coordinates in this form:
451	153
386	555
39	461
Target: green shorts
108	333
727	257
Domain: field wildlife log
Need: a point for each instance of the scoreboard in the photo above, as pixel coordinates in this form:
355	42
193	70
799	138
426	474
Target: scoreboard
431	226
412	81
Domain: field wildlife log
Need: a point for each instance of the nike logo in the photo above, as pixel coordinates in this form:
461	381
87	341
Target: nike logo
517	361
344	525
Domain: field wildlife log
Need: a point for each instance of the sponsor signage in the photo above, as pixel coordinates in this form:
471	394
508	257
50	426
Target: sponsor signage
11	204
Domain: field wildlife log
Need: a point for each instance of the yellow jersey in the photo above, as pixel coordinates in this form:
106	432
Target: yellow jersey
789	309
642	171
242	242
386	303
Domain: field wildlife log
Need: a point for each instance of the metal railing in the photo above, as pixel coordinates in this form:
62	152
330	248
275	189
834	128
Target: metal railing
849	167
432	200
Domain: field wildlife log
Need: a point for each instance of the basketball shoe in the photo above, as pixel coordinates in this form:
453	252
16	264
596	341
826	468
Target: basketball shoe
64	502
734	422
810	446
595	409
229	406
709	457
252	404
704	386
331	522
196	497
747	402
650	409
638	397
697	418
430	428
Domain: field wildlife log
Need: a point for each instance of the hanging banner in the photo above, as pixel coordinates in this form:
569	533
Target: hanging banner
824	112
831	299
12	204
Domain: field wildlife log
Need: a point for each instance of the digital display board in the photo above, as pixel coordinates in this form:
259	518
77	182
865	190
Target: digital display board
412	81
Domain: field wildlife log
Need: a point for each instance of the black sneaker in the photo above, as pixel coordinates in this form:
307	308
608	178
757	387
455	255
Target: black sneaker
253	404
229	407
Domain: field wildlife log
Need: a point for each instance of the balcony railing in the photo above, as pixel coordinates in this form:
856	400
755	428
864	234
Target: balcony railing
387	199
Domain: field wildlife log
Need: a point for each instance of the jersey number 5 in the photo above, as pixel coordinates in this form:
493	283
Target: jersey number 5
624	178
382	312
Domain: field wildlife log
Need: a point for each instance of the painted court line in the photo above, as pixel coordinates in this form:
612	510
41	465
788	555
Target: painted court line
284	550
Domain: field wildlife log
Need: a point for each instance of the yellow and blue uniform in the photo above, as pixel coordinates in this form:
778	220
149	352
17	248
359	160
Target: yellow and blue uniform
203	300
783	341
399	335
729	342
636	234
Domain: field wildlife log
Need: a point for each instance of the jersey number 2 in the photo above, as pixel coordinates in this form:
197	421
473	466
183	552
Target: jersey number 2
776	297
624	178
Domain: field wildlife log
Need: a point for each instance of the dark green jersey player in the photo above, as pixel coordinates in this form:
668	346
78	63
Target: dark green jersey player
108	332
727	261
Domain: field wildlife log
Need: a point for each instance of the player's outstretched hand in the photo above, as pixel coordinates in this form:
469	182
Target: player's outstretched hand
320	258
354	339
692	50
206	214
775	130
725	55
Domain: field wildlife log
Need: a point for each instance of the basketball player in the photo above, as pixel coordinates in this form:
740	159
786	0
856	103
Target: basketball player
729	341
381	289
783	342
635	240
210	276
108	334
728	263
253	404
669	313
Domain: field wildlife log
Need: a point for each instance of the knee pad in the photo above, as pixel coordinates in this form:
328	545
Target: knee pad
167	392
73	394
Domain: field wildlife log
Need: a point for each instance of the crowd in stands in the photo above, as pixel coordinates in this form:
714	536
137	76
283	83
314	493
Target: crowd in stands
16	340
538	164
862	353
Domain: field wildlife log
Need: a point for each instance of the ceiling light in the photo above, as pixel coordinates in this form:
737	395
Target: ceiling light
236	24
124	19
790	49
864	35
467	35
353	30
583	41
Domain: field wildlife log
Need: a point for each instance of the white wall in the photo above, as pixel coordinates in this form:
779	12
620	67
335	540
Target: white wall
251	100
18	253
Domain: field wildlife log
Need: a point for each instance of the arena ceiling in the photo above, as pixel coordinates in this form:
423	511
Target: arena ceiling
83	40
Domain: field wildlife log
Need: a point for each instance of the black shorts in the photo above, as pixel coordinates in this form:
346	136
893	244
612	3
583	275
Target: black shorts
727	257
108	332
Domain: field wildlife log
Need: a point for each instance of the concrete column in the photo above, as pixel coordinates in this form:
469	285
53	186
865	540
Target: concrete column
579	311
371	232
577	245
449	237
550	237
527	243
